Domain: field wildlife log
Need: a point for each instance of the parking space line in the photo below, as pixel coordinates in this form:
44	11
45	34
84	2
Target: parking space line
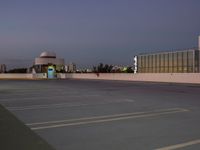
177	146
101	119
15	98
60	105
105	116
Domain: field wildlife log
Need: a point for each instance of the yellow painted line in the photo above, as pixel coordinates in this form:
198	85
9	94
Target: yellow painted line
116	118
177	146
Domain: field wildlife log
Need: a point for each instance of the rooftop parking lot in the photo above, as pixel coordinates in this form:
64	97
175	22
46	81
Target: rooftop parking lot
107	115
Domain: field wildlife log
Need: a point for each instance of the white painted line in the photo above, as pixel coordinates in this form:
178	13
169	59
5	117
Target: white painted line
60	105
16	98
116	118
106	116
177	146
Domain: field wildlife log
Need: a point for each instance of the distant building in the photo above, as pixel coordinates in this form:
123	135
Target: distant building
180	61
66	68
2	68
71	67
48	60
89	70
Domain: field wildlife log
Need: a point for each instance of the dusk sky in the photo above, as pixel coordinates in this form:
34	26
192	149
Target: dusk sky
88	32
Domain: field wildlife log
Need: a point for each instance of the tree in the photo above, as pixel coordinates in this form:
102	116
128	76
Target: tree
101	68
94	69
129	70
18	70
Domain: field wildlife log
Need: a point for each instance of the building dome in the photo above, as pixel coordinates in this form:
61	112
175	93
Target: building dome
48	55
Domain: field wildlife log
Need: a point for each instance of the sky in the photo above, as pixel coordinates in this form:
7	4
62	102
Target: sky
88	32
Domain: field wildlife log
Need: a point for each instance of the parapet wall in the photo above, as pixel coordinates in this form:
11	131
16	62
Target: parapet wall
151	77
23	76
16	76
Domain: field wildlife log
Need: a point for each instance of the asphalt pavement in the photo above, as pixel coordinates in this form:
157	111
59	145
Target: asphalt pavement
107	115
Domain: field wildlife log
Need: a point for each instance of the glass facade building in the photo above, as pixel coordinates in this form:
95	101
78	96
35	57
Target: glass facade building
185	61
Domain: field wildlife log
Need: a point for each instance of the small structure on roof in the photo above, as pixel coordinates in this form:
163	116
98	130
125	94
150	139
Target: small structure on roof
47	59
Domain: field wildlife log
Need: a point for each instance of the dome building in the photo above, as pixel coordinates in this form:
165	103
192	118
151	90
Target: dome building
48	60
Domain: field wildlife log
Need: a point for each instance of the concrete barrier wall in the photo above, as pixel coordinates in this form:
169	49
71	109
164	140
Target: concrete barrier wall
151	77
16	76
61	75
39	76
23	76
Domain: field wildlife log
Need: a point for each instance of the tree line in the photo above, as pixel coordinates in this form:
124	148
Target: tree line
101	68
